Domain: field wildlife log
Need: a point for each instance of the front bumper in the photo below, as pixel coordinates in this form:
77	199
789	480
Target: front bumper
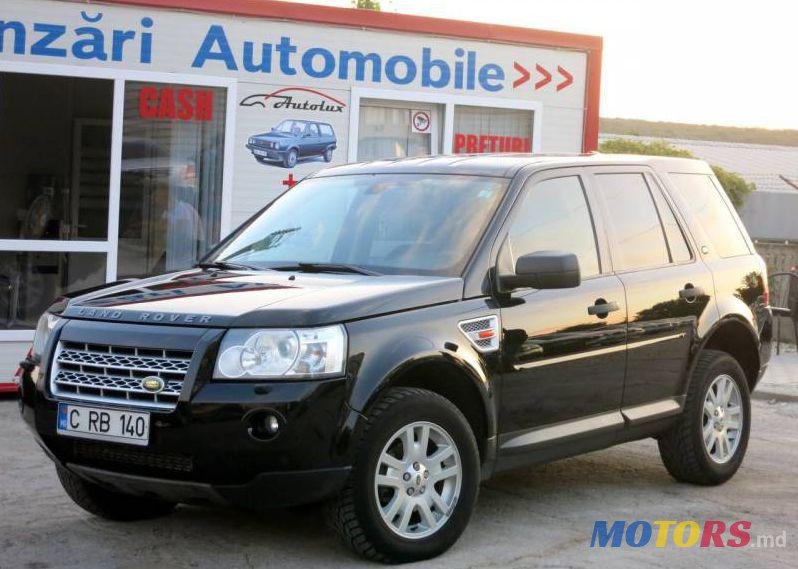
267	153
205	450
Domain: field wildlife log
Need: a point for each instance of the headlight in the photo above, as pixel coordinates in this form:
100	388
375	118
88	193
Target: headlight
43	330
282	354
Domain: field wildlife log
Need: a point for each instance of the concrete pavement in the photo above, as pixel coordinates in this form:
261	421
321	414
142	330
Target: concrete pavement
540	516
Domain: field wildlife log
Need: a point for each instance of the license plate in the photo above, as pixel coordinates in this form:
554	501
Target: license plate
116	425
260	152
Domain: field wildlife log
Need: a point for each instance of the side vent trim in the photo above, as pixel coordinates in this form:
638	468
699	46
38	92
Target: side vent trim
484	332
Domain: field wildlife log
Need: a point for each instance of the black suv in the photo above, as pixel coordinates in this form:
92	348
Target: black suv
386	336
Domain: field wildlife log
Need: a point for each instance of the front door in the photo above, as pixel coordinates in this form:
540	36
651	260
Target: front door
564	350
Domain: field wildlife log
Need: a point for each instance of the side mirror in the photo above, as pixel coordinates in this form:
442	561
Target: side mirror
543	270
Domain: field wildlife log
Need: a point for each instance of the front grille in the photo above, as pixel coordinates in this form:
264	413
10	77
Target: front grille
109	454
114	374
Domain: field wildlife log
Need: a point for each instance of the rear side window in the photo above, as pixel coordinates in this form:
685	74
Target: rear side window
313	129
680	251
326	129
703	197
636	234
554	216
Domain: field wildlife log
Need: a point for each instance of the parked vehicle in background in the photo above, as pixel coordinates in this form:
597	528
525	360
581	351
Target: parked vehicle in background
385	336
293	140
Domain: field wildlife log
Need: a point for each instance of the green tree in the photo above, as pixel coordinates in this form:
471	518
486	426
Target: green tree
366	4
736	187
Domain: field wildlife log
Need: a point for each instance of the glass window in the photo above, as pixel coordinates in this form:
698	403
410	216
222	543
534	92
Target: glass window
486	129
30	281
171	190
555	216
314	129
386	132
401	224
636	233
326	129
703	197
55	140
677	243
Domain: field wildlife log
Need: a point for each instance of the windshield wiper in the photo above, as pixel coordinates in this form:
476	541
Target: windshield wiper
326	268
227	265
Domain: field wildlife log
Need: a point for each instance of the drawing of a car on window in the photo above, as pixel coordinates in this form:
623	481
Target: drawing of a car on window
293	140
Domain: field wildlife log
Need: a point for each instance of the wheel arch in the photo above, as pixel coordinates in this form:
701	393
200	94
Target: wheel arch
455	381
734	336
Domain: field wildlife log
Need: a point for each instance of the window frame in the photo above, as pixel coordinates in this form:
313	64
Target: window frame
648	175
528	182
110	244
704	242
656	185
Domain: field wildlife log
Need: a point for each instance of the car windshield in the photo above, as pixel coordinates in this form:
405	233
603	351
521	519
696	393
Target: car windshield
397	224
295	127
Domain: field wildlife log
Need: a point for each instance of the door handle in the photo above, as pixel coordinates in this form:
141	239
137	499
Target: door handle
601	308
690	292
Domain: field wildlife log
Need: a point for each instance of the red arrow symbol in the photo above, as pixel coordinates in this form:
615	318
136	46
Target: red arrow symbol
524	77
546	76
568	78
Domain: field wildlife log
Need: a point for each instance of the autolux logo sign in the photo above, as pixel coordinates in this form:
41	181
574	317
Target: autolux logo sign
661	533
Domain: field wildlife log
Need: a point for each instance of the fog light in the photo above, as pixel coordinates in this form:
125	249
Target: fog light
271	425
264	425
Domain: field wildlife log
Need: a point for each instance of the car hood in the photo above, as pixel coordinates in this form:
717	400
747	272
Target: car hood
273	136
260	298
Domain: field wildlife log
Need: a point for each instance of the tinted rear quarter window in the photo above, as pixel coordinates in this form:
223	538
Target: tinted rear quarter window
636	233
703	197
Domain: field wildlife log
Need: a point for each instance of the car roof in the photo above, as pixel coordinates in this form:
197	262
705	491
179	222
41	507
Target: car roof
508	165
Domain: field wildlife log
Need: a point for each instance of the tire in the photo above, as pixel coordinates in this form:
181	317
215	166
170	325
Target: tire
289	160
683	448
356	512
109	504
327	155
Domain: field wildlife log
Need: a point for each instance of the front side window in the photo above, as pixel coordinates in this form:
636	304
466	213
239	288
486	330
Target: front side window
554	216
700	192
636	234
400	223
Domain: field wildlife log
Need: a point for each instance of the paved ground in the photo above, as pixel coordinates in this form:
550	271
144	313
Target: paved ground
536	517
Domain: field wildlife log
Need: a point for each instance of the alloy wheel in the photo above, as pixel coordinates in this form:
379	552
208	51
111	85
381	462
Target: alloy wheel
418	480
722	419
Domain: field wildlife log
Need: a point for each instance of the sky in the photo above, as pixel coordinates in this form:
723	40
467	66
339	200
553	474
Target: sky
696	61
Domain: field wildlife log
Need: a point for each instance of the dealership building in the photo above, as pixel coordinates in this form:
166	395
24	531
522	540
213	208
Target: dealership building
134	134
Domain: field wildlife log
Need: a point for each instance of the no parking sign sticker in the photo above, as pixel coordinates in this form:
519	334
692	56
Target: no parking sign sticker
420	121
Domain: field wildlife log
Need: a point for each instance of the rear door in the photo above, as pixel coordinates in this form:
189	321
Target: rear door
667	288
312	141
564	349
